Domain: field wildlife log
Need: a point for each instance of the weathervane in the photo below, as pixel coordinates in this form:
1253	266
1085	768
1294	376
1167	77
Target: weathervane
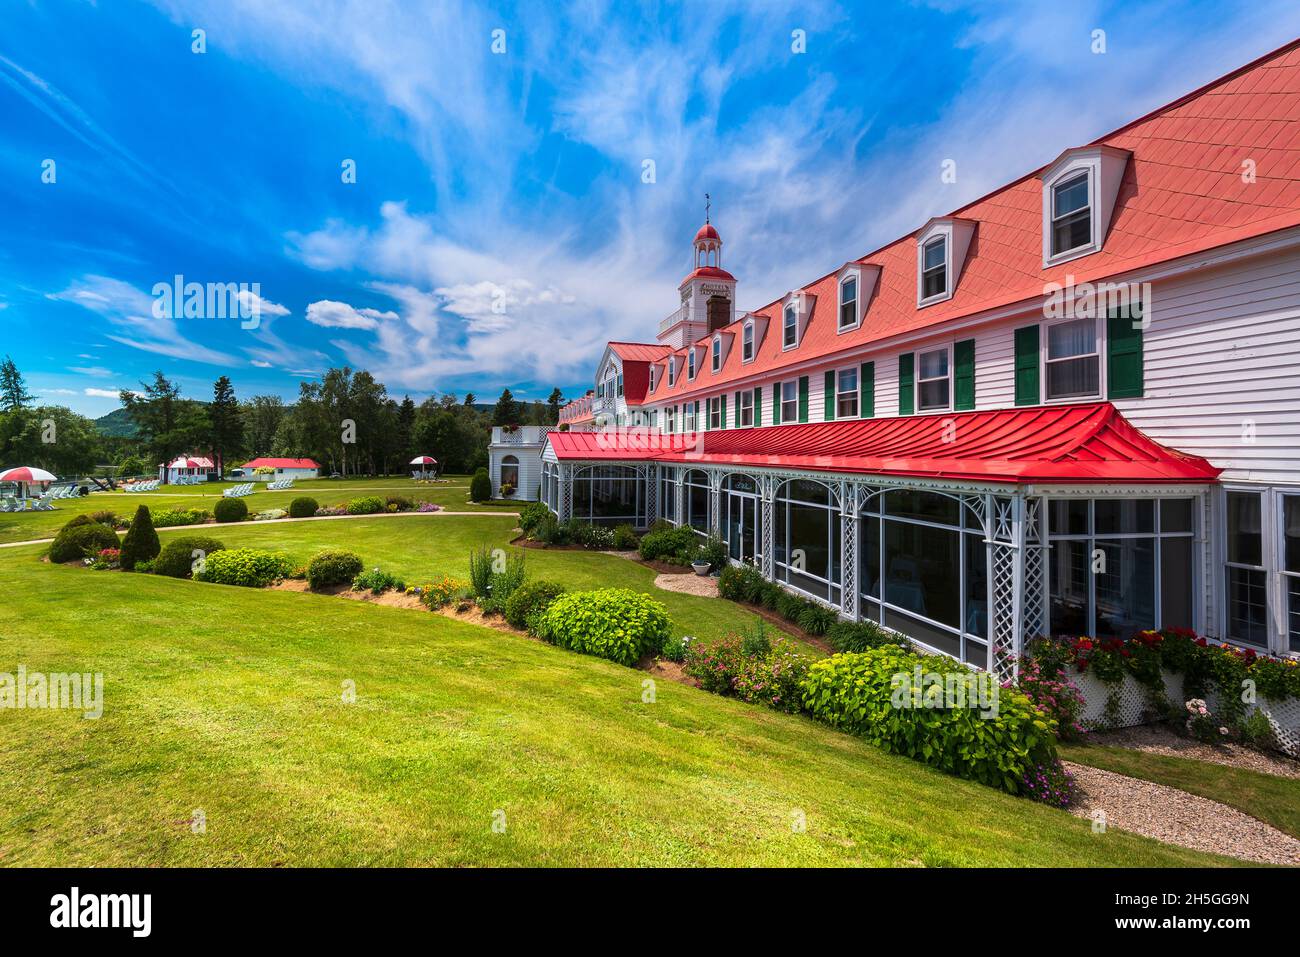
707	204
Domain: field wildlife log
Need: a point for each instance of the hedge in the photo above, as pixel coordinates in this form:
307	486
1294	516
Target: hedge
249	567
303	507
333	568
176	560
366	505
74	541
873	694
614	623
230	510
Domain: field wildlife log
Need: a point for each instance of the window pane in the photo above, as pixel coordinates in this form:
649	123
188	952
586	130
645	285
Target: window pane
1072	232
1073	378
1176	582
848	291
1069	516
1291	533
1245	542
976	619
1247	607
923	571
1176	515
1293	611
848	380
847	406
1066	340
934	365
934	395
1125	587
869	558
926	506
1070	195
934	254
923	632
1068	589
934	283
1124	516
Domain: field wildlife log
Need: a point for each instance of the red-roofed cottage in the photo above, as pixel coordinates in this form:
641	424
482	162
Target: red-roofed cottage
1069	407
283	469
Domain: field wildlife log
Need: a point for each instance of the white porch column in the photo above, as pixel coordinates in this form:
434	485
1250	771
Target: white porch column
849	550
715	502
767	486
679	474
565	511
1004	539
651	494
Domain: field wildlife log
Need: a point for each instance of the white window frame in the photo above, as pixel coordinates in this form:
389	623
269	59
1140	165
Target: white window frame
747	349
714	407
1043	361
670	419
715	354
944	236
1268	504
794	384
845	279
690	420
789	308
746	396
840	392
916	385
672	370
1092	167
1278	592
618	381
691	364
1090	206
652	377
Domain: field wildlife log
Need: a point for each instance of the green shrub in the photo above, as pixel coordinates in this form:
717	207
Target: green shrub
79	520
716	664
861	635
177	558
530	598
714	551
494	575
770	596
304	506
480	486
873	694
172	517
754	642
742	583
144	566
614	623
667	544
105	517
333	567
230	510
595	537
774	679
676	648
248	567
141	541
550	531
625	538
366	505
531	516
377	582
817	619
790	607
76	542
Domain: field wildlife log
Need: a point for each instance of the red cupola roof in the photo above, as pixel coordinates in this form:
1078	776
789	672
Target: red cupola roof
707	232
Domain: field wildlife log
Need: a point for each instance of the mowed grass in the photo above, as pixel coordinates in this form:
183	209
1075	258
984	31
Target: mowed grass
1272	799
29	526
228	702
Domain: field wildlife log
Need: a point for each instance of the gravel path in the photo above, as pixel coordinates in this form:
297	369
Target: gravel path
1177	817
1158	739
691	584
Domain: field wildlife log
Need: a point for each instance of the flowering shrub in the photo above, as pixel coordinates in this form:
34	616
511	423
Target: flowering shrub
366	505
1201	724
677	648
105	558
377	581
270	515
774	679
427	507
1050	783
333	510
249	567
1057	697
615	623
440	593
717	664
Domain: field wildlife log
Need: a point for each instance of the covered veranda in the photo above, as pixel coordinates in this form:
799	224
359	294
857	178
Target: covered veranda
969	532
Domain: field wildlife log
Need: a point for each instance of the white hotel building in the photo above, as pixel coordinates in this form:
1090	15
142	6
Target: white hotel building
945	434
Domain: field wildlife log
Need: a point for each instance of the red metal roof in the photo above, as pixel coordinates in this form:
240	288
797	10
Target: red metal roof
1048	444
1182	193
638	351
281	464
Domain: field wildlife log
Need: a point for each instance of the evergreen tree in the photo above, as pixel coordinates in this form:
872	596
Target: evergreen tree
13	388
553	406
470	398
227	426
141	543
507	410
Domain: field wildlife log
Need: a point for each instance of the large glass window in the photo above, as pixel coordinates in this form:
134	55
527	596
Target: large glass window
932	387
1073	362
1290	568
1247	579
790	401
934	268
740	516
1119	566
609	494
846	394
848	302
672	369
1071	214
696	501
807	539
923	571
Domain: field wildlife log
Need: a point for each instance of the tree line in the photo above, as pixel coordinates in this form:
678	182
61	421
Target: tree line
347	421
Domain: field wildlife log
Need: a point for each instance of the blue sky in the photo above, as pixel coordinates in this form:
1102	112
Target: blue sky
515	177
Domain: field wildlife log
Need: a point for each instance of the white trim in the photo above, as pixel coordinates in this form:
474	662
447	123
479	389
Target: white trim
1099	327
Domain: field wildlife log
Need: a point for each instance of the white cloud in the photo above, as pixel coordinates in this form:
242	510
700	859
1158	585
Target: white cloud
339	315
101	393
259	363
259	306
98	371
59	391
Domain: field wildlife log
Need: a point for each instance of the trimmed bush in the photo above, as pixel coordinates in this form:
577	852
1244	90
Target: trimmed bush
625	538
177	558
614	623
480	486
247	567
531	516
874	695
304	506
675	543
141	541
79	520
172	517
530	598
742	583
366	505
862	635
230	510
75	542
333	568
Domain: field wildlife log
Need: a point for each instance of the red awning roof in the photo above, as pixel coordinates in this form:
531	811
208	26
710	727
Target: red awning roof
1051	444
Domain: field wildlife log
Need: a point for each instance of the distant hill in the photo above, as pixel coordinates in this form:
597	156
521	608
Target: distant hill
117	424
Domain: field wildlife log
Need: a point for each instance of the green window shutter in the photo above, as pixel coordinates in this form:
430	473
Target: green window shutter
776	403
867	390
963	387
722	411
758	406
737	410
1027	366
1124	354
803	398
906	384
828	399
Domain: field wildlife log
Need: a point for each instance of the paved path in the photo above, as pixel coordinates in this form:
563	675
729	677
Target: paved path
278	521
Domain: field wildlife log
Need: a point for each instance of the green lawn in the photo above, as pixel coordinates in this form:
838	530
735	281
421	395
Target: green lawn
228	701
1272	799
28	526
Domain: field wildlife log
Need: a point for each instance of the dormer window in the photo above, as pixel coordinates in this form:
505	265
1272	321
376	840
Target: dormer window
934	268
1071	214
652	378
747	342
849	302
717	353
690	363
672	370
790	327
